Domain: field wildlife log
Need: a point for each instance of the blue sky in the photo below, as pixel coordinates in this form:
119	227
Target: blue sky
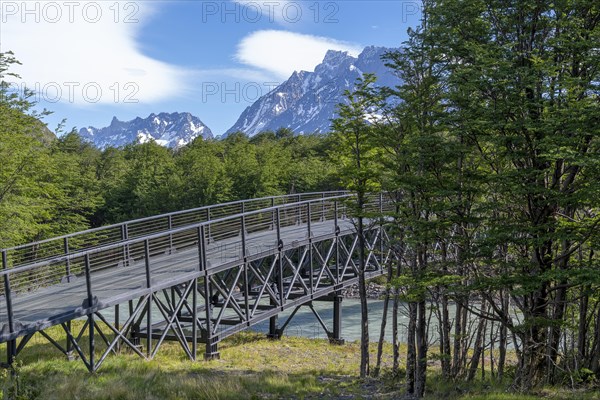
90	61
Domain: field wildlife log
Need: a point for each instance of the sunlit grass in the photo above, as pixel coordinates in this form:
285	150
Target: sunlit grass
251	366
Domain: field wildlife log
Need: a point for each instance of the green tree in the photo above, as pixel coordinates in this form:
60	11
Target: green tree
241	166
309	168
357	160
150	185
523	89
203	172
420	166
72	173
25	158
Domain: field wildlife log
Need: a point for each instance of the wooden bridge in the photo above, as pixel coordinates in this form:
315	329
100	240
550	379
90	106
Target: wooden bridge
194	276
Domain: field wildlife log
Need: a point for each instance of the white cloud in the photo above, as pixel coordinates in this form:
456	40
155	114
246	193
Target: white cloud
283	52
79	48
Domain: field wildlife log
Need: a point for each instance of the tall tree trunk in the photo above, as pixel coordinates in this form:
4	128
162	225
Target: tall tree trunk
458	332
421	338
411	351
584	344
460	320
556	331
595	361
582	339
396	305
395	344
445	323
533	364
383	325
362	290
478	346
493	336
444	332
560	305
466	334
503	339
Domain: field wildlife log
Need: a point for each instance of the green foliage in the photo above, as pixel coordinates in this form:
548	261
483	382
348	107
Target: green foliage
205	178
47	186
141	180
24	170
354	150
415	287
490	151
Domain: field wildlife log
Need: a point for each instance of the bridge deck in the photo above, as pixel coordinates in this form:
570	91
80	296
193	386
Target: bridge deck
52	305
192	276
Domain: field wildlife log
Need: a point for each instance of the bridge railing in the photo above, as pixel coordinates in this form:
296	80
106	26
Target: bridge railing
75	242
144	261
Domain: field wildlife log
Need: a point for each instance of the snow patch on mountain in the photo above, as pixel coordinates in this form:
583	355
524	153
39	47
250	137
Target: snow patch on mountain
307	101
167	129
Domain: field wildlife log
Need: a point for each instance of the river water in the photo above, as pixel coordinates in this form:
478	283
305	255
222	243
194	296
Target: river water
305	323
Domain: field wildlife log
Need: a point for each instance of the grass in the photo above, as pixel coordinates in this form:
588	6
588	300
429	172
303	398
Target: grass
251	367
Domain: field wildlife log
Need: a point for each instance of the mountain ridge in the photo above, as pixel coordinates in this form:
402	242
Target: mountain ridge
172	130
306	102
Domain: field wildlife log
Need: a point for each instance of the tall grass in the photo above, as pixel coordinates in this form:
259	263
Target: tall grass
251	367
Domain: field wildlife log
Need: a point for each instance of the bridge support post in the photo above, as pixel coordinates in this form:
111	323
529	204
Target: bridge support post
212	350
69	345
274	332
11	352
118	327
336	335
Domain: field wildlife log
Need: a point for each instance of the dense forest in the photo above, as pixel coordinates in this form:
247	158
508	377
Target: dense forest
489	150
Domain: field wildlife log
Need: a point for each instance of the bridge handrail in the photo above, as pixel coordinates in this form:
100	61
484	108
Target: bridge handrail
122	227
235	238
158	235
166	233
235	230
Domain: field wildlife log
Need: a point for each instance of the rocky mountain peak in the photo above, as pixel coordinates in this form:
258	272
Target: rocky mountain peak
167	129
307	101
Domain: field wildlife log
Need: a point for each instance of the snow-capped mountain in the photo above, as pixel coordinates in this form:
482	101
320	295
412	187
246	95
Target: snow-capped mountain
167	129
307	101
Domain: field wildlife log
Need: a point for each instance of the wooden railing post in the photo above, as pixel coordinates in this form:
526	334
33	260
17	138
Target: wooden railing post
299	212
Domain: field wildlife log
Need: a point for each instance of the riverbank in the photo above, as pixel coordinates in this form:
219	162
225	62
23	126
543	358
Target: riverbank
375	291
251	366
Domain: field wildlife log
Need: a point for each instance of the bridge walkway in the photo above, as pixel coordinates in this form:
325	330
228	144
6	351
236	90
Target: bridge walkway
195	283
